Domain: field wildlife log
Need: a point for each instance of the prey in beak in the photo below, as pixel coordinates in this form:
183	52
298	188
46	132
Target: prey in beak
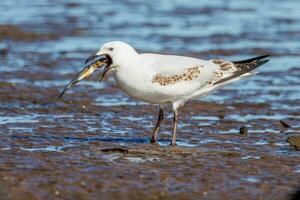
92	63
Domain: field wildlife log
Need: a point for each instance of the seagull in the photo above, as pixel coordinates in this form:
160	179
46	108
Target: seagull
164	79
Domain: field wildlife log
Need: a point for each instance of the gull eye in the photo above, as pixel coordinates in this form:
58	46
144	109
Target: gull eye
110	49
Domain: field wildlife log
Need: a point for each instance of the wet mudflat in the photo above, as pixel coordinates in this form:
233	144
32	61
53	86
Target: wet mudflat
94	143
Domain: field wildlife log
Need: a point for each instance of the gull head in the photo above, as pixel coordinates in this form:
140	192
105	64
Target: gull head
119	53
111	56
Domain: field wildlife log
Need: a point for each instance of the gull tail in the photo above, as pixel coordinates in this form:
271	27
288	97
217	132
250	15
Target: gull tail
245	67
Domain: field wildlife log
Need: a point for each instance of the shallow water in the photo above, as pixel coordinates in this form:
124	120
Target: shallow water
98	130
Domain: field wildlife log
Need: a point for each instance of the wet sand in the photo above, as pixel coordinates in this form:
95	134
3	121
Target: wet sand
76	149
94	143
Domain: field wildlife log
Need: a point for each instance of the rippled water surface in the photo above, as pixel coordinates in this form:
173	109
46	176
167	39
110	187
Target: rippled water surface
96	128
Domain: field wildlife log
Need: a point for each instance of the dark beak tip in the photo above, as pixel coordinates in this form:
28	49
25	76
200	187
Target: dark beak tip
88	59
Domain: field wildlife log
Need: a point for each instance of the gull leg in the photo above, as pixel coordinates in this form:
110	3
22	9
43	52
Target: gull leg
175	123
156	129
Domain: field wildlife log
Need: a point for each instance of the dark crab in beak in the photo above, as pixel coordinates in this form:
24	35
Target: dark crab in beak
92	63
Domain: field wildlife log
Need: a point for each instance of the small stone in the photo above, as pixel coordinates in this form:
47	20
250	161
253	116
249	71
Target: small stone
82	183
3	49
243	130
83	106
3	52
56	192
294	141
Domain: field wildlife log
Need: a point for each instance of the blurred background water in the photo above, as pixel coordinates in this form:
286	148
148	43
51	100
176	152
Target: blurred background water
204	29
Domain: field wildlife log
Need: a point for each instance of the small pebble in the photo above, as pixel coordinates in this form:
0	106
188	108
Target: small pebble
56	192
243	130
82	183
221	116
3	52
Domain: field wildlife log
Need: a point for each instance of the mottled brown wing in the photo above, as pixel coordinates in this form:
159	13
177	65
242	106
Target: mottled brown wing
238	68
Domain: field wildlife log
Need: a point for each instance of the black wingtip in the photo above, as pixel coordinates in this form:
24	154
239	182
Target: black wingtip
265	61
245	66
262	57
252	59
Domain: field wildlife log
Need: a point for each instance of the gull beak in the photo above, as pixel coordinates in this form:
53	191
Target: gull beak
92	63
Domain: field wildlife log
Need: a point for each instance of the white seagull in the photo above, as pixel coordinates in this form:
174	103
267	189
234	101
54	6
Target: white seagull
164	79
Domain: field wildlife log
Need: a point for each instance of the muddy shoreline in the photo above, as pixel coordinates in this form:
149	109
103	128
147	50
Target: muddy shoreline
115	160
